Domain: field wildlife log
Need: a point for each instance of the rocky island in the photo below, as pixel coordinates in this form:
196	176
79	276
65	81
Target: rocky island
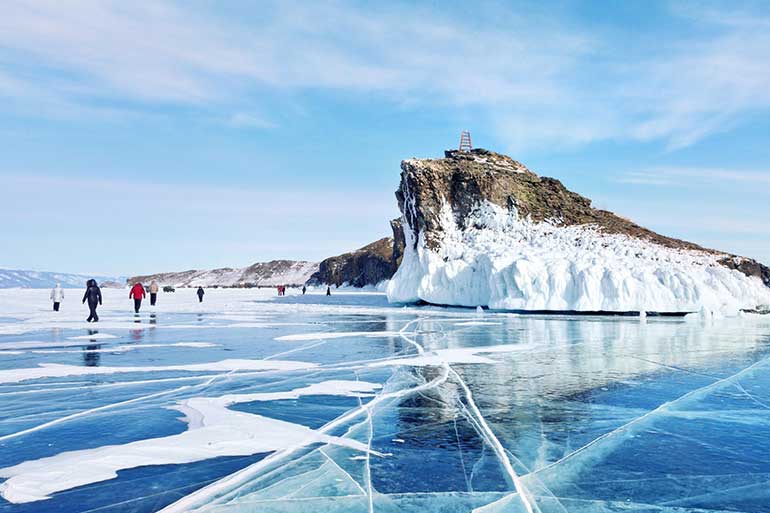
481	229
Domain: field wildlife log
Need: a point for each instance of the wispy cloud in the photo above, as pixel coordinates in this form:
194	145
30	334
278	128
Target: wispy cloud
249	120
538	79
708	82
692	176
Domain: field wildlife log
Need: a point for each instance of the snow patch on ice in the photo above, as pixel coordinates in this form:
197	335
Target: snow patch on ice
454	355
115	349
212	431
337	334
54	370
37	345
95	336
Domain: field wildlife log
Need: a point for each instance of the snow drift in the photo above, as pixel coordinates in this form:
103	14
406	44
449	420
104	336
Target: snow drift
481	229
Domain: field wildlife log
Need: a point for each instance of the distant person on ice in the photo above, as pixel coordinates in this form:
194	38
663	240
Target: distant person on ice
94	297
57	294
153	292
304	289
328	290
200	294
137	292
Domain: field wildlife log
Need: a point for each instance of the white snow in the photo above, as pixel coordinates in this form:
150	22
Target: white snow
29	310
53	370
454	355
266	274
95	336
505	262
337	334
114	349
4	346
212	431
12	278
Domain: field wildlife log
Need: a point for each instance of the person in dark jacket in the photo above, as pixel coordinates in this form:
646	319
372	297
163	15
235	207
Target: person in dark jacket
137	292
304	289
94	297
328	290
200	294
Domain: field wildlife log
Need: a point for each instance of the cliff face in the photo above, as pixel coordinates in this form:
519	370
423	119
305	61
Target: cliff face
366	266
464	179
263	274
484	223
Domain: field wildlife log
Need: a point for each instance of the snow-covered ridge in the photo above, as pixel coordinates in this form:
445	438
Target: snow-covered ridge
265	274
475	252
16	278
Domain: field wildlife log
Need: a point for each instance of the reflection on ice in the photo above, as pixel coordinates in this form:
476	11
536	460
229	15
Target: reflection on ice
353	405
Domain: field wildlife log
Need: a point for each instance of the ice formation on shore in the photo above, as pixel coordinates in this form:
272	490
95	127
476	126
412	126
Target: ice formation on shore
504	261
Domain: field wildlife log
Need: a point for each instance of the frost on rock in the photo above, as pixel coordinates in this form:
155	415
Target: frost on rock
505	261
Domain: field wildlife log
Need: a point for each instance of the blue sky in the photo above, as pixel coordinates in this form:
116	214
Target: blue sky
142	137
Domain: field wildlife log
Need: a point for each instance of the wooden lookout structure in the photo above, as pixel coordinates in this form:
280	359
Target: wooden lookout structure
465	141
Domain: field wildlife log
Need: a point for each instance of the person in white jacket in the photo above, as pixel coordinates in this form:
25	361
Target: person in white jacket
57	295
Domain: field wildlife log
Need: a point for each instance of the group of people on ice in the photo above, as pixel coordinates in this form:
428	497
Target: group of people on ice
93	295
138	293
282	290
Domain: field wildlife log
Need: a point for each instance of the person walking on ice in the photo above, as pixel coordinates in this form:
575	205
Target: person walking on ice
200	294
94	297
57	295
137	292
328	290
153	292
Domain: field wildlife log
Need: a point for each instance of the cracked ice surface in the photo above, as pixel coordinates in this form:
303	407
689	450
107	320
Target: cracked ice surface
251	403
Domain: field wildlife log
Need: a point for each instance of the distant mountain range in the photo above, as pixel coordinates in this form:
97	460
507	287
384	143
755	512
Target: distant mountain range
261	274
364	267
13	278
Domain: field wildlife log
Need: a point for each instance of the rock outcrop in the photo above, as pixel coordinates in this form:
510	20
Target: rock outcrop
367	266
261	274
482	229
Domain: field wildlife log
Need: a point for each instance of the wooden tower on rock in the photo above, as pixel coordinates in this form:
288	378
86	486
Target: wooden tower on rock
465	141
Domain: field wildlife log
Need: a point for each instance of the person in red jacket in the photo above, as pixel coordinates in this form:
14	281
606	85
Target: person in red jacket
137	292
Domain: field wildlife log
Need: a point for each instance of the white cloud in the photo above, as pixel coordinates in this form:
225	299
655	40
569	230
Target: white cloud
538	79
247	120
87	52
692	176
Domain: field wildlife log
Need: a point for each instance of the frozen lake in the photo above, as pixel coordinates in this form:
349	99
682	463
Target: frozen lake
254	403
